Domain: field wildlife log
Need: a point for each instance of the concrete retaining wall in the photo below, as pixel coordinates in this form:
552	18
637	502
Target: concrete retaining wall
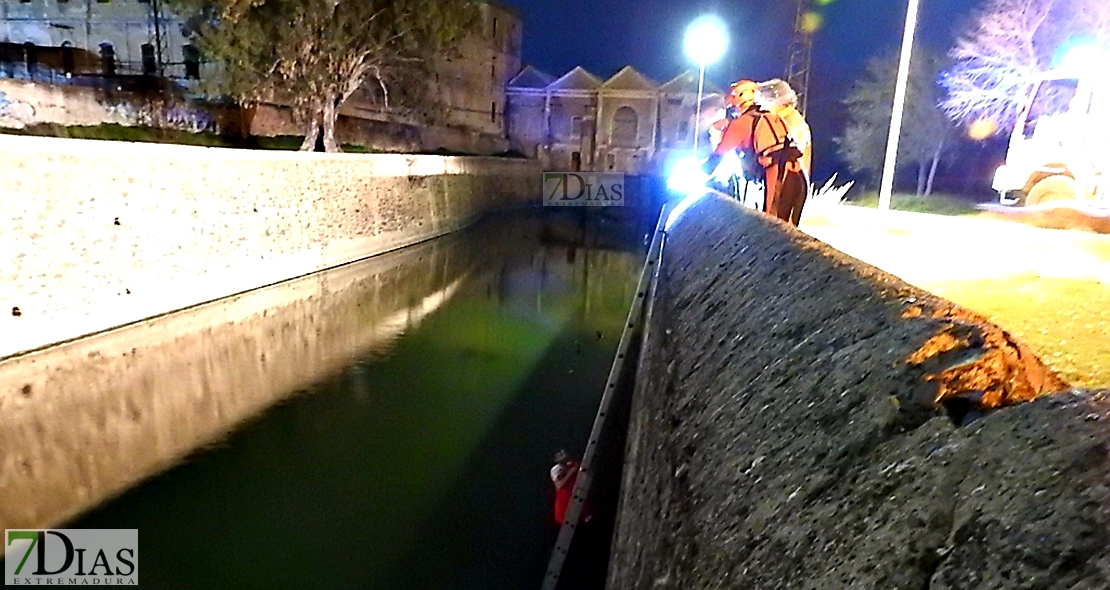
97	234
29	103
84	420
786	432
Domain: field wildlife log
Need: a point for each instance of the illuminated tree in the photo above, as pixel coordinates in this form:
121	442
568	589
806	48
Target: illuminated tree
1008	45
926	131
313	55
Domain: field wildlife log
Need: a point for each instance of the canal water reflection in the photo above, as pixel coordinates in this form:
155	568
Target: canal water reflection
423	463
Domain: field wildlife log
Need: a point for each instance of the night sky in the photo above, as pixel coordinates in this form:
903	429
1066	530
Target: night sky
605	35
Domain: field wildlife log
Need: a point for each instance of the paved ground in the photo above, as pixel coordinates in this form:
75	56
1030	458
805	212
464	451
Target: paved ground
1050	288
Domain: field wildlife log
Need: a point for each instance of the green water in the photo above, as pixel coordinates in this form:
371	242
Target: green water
421	465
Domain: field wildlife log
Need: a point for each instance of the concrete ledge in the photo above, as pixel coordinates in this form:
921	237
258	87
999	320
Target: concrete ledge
96	234
803	420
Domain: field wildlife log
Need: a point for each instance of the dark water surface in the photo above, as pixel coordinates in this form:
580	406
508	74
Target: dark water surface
424	463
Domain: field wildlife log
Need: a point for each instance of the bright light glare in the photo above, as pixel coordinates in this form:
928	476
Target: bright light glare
706	39
1082	59
686	176
682	206
729	166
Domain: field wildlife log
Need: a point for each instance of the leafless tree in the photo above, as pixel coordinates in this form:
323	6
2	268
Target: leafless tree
1010	43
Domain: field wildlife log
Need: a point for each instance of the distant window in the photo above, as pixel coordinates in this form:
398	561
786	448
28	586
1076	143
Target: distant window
625	127
683	129
30	56
576	126
493	71
192	62
674	102
611	161
493	112
107	59
63	1
24	1
67	57
495	26
102	1
149	63
576	161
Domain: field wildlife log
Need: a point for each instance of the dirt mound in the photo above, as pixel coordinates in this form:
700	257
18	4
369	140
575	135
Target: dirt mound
805	421
1070	215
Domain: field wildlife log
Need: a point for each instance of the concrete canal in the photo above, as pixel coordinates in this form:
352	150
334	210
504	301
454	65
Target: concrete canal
423	463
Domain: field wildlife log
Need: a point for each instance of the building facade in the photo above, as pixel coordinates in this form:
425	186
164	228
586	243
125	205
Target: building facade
470	86
627	123
64	41
123	37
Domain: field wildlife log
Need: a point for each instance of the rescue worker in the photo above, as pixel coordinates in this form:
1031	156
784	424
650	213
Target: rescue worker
772	155
564	474
779	98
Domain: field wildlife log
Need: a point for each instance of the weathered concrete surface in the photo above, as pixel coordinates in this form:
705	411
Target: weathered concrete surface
96	234
82	421
785	432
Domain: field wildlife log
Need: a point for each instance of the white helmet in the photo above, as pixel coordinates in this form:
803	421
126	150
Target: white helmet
775	94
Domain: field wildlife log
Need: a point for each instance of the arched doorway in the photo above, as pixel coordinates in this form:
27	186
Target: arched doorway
626	125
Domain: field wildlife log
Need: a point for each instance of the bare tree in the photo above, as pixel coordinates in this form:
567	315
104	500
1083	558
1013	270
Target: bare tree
1009	44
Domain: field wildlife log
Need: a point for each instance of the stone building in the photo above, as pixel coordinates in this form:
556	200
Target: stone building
471	86
466	107
627	123
82	41
125	36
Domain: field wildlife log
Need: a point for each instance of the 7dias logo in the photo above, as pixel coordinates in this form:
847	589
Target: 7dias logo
71	557
583	189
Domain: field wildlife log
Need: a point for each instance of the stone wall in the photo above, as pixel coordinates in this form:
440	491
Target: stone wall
98	234
28	103
803	420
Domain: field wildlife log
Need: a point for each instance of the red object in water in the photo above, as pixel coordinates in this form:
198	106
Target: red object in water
564	475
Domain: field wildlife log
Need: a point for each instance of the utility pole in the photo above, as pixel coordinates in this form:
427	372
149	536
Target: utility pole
159	38
886	186
801	56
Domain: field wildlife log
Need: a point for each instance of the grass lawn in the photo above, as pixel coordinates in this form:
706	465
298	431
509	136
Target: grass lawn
1066	321
937	204
112	132
1049	288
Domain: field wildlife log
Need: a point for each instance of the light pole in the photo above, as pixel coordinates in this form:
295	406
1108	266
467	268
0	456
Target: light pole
705	42
886	187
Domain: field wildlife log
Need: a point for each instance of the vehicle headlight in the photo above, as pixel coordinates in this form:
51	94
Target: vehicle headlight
1003	179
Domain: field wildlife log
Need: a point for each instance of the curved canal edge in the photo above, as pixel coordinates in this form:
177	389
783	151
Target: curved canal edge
803	419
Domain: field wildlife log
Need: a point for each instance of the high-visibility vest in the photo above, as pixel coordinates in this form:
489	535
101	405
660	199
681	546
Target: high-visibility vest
799	130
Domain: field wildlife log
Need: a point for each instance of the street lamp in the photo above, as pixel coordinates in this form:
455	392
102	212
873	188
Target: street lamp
705	42
886	187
